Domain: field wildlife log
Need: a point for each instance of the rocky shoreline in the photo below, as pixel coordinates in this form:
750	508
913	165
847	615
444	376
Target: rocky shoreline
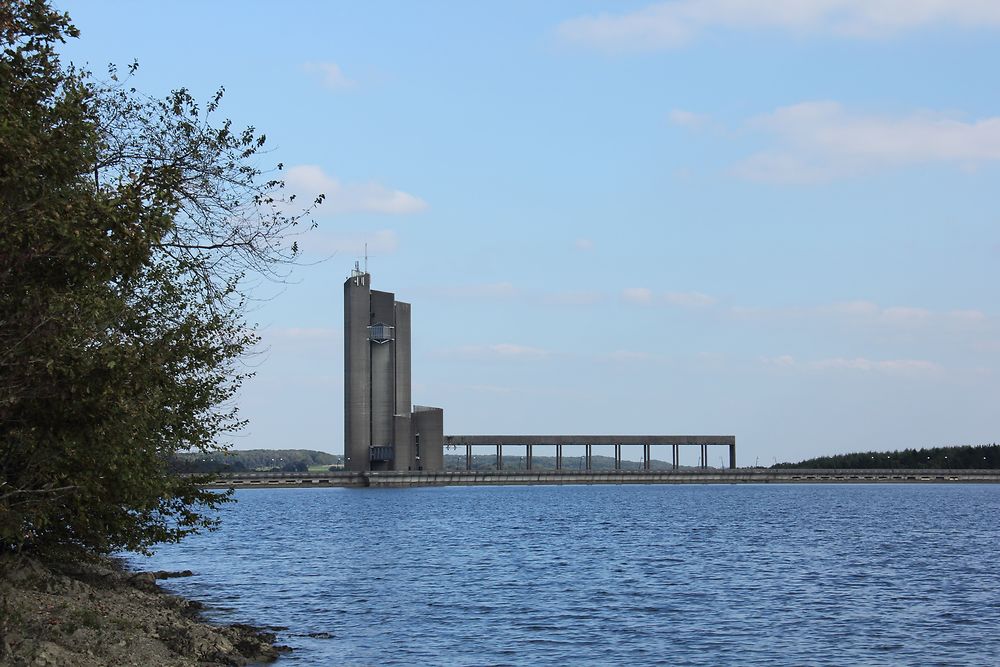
91	614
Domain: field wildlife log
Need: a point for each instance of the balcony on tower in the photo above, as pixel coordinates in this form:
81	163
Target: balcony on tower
381	333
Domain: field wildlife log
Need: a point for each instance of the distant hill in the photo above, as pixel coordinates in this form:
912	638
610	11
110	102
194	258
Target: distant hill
973	457
290	460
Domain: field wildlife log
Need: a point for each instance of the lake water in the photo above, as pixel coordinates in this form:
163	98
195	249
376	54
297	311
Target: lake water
609	575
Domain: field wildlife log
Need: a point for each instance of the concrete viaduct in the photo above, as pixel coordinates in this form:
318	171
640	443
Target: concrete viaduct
647	442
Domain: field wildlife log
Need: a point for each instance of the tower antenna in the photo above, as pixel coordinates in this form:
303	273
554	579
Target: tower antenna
366	258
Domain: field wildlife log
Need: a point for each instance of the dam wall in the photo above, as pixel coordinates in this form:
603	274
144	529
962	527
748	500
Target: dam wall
388	479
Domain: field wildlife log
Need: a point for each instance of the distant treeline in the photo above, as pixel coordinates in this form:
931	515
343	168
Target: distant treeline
285	460
964	456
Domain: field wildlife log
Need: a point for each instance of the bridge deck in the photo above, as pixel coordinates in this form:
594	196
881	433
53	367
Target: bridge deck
647	442
478	440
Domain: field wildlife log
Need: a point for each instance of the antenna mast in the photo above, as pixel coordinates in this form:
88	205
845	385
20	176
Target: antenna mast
366	258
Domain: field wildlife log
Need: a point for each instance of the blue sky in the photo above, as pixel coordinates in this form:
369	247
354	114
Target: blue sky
773	220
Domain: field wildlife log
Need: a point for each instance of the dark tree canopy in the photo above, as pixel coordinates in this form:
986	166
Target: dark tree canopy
126	227
971	457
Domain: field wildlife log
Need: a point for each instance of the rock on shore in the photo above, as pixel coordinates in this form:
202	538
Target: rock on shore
96	614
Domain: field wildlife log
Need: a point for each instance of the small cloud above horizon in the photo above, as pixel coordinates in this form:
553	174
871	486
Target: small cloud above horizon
321	242
498	352
573	297
633	357
307	181
331	75
675	24
689	299
499	290
644	295
870	313
821	141
687	118
637	295
863	364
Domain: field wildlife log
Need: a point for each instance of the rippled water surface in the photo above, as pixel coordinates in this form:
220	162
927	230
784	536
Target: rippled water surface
609	575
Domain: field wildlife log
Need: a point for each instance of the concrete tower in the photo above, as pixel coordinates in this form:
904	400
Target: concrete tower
379	431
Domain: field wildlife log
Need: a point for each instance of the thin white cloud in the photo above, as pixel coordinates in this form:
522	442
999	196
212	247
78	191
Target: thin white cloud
783	361
645	295
320	242
821	141
331	75
506	291
869	313
906	315
307	181
689	299
851	308
670	25
687	118
585	245
634	357
969	316
573	298
499	290
637	295
862	364
890	366
501	351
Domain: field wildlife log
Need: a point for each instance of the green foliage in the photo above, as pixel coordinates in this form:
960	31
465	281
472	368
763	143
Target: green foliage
290	460
126	226
966	457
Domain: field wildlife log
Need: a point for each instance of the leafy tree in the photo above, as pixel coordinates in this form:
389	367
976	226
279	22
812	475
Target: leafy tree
127	225
252	459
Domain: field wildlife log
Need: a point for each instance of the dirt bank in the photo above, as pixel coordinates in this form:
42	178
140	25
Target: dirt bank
98	614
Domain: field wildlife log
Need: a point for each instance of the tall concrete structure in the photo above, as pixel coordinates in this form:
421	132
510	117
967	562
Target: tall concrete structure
382	430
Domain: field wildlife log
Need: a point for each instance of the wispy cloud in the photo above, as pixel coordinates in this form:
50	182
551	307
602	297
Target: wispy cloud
687	118
869	313
499	351
637	295
507	291
321	242
907	366
573	298
584	245
644	295
670	25
498	290
689	299
307	181
861	364
821	141
633	357
331	75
